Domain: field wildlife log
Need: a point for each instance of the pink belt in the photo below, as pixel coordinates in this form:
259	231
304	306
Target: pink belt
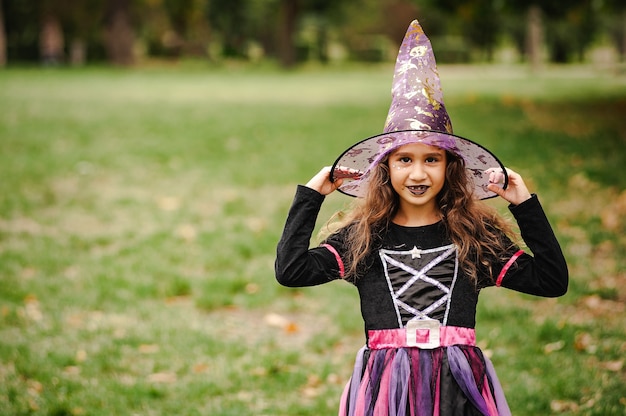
421	334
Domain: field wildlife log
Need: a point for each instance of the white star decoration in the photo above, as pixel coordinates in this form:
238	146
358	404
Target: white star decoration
416	253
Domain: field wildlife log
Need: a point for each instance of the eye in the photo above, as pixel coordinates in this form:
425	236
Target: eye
433	159
404	159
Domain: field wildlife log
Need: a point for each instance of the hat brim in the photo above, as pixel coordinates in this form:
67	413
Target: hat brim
354	165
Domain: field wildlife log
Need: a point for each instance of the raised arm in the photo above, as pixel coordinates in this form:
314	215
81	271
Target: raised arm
296	265
544	273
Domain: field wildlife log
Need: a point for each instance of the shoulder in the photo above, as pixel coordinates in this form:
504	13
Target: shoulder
340	235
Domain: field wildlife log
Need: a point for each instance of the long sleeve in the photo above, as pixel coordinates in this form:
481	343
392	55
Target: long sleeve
545	272
296	265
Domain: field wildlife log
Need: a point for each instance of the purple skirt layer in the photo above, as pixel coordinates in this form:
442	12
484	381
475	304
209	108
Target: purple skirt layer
445	381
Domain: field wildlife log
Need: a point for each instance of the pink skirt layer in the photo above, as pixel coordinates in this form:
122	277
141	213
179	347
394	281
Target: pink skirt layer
408	381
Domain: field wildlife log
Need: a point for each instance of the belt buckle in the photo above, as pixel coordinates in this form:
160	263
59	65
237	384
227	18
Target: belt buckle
427	324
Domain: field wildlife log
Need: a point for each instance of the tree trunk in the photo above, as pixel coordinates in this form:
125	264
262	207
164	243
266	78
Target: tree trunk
534	38
119	36
287	27
51	41
623	45
78	52
3	40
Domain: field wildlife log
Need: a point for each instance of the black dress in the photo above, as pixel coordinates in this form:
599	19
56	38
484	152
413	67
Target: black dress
419	309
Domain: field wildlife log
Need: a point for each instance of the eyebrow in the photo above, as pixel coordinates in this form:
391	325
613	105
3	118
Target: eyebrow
430	154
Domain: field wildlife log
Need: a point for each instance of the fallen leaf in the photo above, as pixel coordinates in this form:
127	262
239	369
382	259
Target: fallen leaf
563	406
614	366
81	356
32	404
168	203
30	298
276	320
313	380
279	321
291	328
71	370
200	368
162	378
553	346
584	342
310	392
256	224
32	308
148	348
34	387
313	386
333	379
186	232
259	371
252	288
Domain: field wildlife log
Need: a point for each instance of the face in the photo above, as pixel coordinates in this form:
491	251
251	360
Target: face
417	173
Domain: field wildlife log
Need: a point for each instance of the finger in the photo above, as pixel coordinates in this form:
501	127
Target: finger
496	175
496	189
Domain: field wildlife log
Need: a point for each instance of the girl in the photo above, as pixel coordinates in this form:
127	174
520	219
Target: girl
419	247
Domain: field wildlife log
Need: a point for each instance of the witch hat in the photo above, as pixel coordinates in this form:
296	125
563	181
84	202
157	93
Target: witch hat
417	115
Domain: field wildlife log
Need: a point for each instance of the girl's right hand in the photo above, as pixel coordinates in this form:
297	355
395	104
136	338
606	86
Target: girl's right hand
321	182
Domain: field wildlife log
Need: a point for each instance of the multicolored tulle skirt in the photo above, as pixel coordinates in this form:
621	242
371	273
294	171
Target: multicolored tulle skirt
410	381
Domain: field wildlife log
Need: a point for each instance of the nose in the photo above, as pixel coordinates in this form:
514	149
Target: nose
417	172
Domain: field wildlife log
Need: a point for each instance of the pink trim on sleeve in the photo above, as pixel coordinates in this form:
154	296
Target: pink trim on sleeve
339	261
506	267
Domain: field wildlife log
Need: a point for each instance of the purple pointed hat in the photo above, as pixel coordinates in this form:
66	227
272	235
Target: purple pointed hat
417	115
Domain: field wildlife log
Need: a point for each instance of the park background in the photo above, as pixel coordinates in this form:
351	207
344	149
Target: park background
149	151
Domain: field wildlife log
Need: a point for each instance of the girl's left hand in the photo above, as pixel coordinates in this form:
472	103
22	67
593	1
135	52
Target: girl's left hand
516	191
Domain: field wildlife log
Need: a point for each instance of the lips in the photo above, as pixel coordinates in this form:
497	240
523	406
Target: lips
418	190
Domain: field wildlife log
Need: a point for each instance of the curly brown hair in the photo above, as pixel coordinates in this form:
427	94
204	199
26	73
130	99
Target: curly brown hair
475	228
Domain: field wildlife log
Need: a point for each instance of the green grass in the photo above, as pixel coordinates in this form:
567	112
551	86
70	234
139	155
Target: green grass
139	213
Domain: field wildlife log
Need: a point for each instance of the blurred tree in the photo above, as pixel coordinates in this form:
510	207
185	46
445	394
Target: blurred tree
190	30
3	39
481	23
476	21
22	30
288	11
228	18
119	33
534	38
571	28
271	23
51	38
371	29
81	23
397	15
614	13
568	27
300	29
322	15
